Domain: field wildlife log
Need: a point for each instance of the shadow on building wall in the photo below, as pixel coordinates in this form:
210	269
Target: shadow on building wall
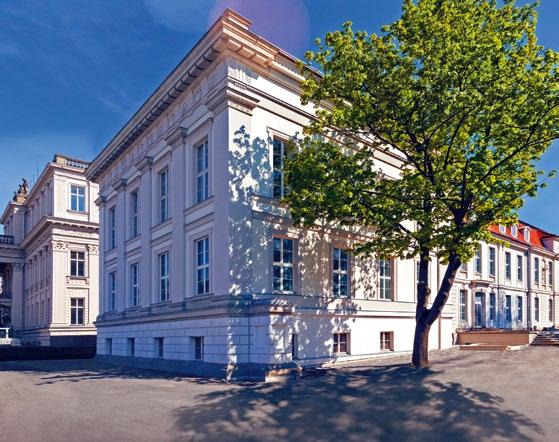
316	315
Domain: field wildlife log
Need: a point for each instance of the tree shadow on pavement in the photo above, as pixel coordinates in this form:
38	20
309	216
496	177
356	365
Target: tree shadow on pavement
382	403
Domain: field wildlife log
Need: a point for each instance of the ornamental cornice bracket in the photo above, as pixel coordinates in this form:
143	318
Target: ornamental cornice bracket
119	184
144	163
230	97
176	138
100	201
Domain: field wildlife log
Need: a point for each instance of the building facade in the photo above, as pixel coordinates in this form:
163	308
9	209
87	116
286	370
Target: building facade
201	266
510	284
49	257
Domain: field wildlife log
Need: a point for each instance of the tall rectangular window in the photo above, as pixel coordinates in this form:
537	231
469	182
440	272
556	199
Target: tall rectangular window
385	279
203	266
519	308
112	291
283	265
135	285
164	277
109	346
478	260
508	265
550	274
77	198
294	346
202	172
340	344
463	301
550	310
112	228
537	271
159	344
76	311
492	306
131	347
163	196
279	153
198	343
519	268
134	215
537	309
340	272
491	261
77	264
508	308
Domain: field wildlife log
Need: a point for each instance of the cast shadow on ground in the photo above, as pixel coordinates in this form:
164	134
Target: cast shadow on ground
382	403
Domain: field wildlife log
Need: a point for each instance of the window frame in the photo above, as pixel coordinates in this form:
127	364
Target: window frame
202	192
337	343
164	280
131	347
198	348
112	227
508	308
492	306
478	261
492	261
537	272
78	261
282	265
536	309
75	311
159	347
134	281
78	197
163	193
550	310
463	305
204	266
278	170
134	213
519	308
519	268
508	265
339	273
383	341
382	286
112	290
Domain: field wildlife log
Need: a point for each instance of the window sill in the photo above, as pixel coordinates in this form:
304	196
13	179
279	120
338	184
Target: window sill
77	212
197	206
167	222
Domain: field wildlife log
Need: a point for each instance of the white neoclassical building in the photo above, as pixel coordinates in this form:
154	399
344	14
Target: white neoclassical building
49	257
201	267
511	284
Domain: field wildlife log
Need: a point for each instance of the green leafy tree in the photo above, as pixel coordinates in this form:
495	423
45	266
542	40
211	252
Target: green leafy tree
460	92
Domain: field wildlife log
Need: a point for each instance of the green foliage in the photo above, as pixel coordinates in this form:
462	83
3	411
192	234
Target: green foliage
459	93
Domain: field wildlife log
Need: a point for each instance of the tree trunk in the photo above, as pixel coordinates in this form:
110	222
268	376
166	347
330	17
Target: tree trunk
420	357
425	317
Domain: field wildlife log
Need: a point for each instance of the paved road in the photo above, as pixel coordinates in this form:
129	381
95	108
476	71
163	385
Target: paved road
464	396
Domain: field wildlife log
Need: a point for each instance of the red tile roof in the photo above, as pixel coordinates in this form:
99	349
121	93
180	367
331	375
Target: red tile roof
536	235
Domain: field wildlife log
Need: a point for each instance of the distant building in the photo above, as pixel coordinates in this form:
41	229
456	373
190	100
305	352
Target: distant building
512	284
49	257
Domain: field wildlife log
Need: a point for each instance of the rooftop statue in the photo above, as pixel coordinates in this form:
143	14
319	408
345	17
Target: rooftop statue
23	189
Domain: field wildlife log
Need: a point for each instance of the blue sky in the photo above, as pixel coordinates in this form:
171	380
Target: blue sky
73	72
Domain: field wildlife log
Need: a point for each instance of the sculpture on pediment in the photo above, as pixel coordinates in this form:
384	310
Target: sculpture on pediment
22	191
